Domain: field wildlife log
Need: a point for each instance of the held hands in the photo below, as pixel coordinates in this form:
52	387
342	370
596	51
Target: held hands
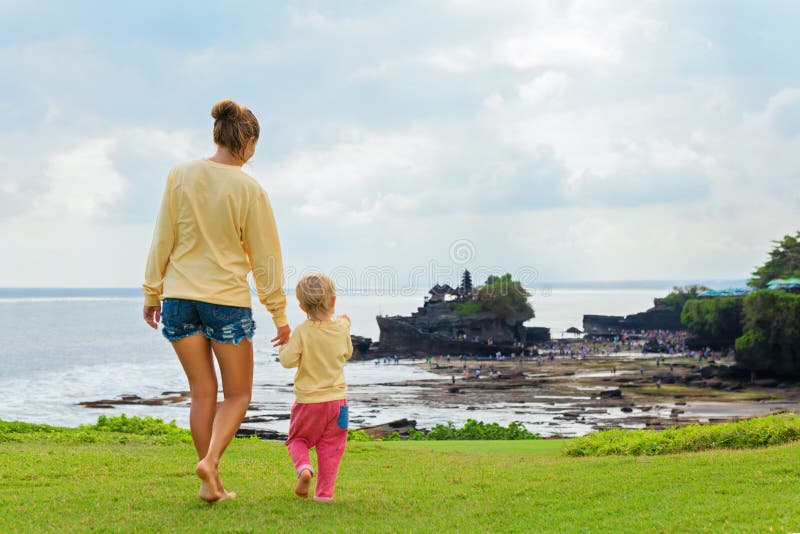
152	314
283	336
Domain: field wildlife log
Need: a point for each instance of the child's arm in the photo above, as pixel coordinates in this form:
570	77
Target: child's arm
349	352
289	354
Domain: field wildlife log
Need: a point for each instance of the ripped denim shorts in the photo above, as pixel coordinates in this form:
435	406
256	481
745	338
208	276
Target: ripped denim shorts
217	322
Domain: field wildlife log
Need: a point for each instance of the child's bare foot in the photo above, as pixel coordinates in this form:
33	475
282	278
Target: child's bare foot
211	489
303	482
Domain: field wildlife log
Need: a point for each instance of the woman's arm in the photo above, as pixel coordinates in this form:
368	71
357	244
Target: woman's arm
160	250
263	248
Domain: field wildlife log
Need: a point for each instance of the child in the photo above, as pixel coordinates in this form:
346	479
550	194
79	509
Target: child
318	348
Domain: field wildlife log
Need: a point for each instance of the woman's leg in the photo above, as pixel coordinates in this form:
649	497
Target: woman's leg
194	352
236	367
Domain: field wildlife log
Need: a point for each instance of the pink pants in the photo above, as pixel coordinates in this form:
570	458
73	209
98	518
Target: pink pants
318	424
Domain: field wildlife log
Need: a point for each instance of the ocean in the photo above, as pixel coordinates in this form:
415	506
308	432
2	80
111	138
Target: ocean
64	346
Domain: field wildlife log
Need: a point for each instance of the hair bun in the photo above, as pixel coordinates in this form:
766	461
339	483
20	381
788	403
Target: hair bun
226	109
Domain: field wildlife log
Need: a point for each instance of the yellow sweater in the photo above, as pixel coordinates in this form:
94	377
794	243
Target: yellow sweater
318	349
214	227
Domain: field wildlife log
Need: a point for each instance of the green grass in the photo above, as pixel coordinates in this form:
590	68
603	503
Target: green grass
463	486
748	434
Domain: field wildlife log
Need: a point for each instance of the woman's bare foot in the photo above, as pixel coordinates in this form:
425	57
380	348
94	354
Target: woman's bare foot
303	482
211	489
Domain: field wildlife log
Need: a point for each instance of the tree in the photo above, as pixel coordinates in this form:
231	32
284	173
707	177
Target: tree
715	322
466	283
505	297
771	339
679	296
784	262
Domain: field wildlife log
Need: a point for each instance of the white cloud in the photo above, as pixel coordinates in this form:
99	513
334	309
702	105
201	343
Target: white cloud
783	112
360	167
547	85
81	182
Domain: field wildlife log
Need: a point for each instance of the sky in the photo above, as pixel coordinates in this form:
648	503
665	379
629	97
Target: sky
405	141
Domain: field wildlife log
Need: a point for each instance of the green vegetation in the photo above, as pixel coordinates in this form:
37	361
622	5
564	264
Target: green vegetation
358	435
713	322
120	429
470	306
784	262
749	434
679	296
505	297
474	430
771	339
409	486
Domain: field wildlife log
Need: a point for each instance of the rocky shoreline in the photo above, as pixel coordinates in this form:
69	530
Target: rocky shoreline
624	390
600	391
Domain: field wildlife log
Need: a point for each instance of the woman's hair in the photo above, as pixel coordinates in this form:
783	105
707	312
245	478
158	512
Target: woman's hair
233	126
314	292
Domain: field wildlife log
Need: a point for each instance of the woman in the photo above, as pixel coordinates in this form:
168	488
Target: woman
215	226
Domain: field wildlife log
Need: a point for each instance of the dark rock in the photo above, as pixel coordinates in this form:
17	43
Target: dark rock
659	317
265	434
134	399
627	409
610	394
256	419
710	371
766	382
436	327
453	390
361	346
401	426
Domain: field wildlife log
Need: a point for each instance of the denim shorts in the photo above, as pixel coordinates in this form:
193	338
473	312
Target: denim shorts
217	322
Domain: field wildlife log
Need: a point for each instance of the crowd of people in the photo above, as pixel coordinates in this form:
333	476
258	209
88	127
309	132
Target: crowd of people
650	341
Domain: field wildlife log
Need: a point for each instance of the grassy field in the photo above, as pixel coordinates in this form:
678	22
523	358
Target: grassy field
508	486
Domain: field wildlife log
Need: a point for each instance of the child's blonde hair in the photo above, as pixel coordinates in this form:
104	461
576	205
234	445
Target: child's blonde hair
314	292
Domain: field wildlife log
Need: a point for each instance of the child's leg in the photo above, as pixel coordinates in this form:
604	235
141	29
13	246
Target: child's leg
304	432
330	449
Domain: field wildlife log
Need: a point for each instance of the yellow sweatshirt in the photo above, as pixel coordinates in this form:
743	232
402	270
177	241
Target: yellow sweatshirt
215	226
318	349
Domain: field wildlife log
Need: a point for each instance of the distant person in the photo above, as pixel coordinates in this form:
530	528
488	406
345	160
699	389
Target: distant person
319	347
215	226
